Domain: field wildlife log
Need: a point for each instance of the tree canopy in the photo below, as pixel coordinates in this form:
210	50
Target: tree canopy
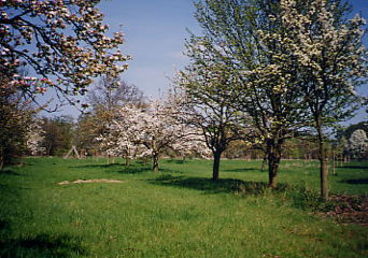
63	42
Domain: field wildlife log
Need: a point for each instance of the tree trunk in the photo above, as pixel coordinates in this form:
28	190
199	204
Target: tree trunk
274	157
323	161
155	167
127	161
216	165
323	171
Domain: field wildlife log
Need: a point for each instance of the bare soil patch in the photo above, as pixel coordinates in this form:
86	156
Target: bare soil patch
81	181
348	209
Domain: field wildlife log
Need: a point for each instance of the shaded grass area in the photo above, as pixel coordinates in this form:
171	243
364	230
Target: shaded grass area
179	212
207	185
42	245
116	168
357	181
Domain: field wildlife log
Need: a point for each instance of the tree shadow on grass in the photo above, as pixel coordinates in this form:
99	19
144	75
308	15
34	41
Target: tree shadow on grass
355	167
9	172
239	170
6	190
116	168
42	245
3	225
176	161
212	187
169	170
112	165
132	170
359	181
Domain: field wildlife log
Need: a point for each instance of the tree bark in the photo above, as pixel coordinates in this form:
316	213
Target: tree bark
323	161
216	165
323	171
127	161
155	167
274	157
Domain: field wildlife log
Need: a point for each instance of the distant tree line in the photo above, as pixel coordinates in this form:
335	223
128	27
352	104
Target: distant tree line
57	135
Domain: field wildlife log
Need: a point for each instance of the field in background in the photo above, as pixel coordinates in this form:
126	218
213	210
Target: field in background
176	213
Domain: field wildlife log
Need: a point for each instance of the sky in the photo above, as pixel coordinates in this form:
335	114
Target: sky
155	32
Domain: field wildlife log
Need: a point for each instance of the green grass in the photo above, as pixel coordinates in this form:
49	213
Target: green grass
176	213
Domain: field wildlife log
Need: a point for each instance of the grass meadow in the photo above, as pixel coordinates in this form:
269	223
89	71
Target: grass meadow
178	212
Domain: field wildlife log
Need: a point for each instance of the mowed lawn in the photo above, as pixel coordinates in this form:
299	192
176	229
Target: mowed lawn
178	212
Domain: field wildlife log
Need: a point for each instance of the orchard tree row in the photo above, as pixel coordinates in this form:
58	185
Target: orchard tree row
266	70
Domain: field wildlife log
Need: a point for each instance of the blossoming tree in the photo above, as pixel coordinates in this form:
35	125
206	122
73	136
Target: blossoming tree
357	145
149	131
299	63
206	91
15	119
64	42
105	98
247	38
35	137
332	63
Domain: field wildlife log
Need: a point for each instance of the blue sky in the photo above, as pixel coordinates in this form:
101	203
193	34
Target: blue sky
360	6
155	31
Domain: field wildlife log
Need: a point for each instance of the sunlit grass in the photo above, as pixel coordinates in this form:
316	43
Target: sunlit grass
179	212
